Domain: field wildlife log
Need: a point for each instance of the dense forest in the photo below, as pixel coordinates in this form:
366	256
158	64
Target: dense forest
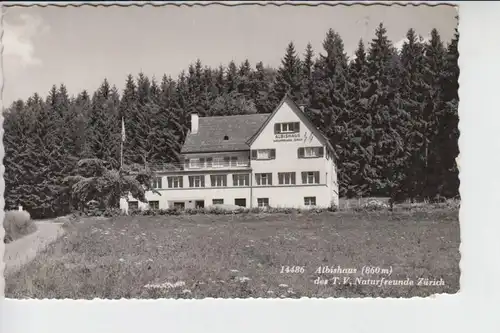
391	115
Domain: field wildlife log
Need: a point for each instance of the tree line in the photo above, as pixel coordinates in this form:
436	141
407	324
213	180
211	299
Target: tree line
391	115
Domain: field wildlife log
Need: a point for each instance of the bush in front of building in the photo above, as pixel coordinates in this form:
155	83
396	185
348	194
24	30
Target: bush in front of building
17	224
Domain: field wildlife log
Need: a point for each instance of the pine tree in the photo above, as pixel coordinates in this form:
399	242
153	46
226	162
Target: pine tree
103	127
448	121
232	78
289	77
330	108
387	115
128	110
433	77
358	166
413	94
307	71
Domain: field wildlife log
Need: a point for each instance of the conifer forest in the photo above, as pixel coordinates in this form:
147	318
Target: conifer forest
391	116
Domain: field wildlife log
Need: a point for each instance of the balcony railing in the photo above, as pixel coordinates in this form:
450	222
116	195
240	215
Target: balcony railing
245	164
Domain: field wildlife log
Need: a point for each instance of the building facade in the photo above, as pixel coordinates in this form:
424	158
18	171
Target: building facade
275	160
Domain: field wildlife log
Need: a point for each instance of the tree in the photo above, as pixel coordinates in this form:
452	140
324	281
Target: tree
329	106
289	77
434	105
95	180
387	115
103	126
413	95
307	74
357	166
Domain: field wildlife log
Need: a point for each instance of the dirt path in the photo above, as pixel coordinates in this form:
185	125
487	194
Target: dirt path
23	250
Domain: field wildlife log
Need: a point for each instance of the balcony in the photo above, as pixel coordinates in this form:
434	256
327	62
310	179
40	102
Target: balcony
202	166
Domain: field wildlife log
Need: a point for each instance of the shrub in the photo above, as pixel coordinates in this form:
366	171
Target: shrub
17	224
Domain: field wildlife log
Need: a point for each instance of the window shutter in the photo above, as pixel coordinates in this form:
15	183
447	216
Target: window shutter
316	177
181	179
304	177
257	179
202	162
300	153
234	180
254	154
169	180
246	180
280	178
224	181
209	162
272	154
159	182
191	181
293	178
321	151
297	127
202	181
270	175
277	128
212	180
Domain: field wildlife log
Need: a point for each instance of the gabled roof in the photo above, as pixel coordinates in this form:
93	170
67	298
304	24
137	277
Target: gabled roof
212	130
305	119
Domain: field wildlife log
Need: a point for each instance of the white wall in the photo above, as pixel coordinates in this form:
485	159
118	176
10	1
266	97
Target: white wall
287	161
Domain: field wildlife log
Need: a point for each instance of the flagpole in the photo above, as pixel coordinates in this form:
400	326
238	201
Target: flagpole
121	144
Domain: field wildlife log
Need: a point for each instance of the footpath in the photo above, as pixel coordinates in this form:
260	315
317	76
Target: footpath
25	249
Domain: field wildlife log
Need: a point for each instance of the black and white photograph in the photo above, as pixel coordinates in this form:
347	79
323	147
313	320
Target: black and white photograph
193	152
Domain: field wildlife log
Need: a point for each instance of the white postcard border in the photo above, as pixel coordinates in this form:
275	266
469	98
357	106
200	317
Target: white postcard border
472	309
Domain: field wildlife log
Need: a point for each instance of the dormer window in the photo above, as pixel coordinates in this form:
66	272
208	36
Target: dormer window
226	138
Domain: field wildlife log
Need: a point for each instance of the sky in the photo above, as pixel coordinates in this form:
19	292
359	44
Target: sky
79	47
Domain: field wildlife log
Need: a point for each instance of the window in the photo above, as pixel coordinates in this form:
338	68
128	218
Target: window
234	160
310	177
154	204
282	128
310	201
241	179
194	163
310	152
133	205
263	202
226	138
178	205
264	178
263	154
242	162
196	181
174	182
199	204
156	182
217	201
218	162
242	202
286	178
218	180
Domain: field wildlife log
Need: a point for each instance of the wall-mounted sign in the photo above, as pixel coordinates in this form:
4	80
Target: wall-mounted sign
293	137
290	137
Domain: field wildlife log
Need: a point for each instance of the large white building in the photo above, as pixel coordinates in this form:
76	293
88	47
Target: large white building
279	160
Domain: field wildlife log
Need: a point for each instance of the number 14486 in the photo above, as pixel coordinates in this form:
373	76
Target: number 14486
292	269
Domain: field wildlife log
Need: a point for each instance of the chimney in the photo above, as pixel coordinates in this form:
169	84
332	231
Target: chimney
194	123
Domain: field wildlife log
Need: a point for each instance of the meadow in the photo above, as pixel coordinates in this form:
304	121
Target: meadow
286	255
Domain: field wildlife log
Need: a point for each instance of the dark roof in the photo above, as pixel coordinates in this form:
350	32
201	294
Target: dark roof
212	130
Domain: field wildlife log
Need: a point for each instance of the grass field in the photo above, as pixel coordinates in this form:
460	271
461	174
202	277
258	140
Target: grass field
241	256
